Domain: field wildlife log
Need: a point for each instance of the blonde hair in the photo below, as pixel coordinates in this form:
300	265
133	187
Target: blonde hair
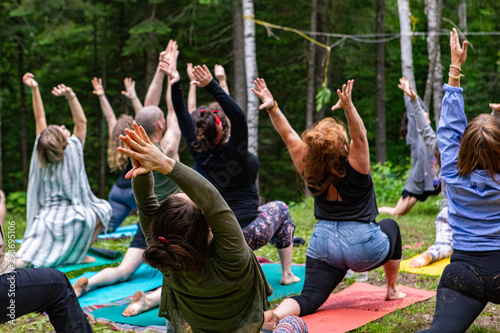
116	160
480	146
327	151
51	144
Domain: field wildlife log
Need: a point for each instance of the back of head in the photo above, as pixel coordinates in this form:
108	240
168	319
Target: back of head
148	118
480	146
205	119
184	227
116	160
327	151
51	144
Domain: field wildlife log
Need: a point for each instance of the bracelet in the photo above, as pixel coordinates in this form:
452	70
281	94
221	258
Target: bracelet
71	98
454	77
273	109
456	67
277	318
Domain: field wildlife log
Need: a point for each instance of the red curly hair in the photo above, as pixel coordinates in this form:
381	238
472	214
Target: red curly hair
327	151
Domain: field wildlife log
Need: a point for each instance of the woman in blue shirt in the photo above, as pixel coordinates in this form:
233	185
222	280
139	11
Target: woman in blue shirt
470	160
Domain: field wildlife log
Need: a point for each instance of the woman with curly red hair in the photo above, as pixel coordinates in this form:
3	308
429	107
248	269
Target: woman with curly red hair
346	236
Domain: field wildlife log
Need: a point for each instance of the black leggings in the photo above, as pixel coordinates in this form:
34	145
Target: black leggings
321	278
468	283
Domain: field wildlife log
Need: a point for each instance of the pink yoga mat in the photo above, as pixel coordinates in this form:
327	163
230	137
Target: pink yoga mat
357	305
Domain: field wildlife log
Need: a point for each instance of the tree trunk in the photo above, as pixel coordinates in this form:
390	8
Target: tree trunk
406	39
438	87
100	120
319	67
433	11
239	84
311	87
22	111
462	16
380	140
251	75
1	160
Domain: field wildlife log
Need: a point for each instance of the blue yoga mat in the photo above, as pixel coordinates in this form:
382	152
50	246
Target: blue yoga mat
114	313
145	278
124	231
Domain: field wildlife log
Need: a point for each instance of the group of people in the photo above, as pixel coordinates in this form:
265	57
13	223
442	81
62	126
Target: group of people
199	227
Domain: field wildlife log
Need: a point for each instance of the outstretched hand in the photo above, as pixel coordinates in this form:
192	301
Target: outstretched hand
458	54
62	90
220	73
144	154
98	88
202	76
263	93
345	101
129	88
29	81
169	62
405	85
495	106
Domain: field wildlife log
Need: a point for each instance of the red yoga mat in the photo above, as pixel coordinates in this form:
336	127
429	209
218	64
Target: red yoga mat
358	305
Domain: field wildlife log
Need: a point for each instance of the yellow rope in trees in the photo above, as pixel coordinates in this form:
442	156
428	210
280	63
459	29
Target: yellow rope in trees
270	25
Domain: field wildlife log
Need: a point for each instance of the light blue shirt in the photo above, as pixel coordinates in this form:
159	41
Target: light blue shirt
474	199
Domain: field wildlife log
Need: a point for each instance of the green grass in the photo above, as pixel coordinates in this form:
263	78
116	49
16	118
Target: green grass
417	226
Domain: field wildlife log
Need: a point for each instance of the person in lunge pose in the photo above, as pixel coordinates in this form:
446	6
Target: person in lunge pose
64	217
337	171
470	166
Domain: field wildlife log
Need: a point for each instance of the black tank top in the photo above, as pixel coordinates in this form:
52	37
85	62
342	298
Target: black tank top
358	199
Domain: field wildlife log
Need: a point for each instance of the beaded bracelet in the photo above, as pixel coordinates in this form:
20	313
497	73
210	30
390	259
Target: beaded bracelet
456	67
453	76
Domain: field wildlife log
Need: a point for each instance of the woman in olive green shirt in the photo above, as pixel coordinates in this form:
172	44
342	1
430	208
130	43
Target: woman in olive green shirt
213	281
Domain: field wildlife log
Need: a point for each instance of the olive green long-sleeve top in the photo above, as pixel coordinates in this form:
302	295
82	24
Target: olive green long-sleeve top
231	294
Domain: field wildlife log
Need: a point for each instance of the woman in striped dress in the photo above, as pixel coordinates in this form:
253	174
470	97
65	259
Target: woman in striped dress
64	217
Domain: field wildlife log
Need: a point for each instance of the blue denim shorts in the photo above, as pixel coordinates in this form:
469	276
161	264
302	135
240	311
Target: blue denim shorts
359	246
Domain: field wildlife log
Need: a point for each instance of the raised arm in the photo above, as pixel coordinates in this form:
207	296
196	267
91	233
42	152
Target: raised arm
359	154
295	145
130	93
105	106
238	141
154	91
172	137
220	75
453	122
223	223
423	127
79	119
38	110
192	89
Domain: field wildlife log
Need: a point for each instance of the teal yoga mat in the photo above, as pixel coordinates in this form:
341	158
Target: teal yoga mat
102	257
114	313
145	278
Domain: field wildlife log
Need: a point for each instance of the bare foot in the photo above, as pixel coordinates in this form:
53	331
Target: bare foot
138	305
393	293
80	286
289	278
88	260
422	260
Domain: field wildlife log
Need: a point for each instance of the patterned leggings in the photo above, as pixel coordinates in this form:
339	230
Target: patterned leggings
273	224
444	244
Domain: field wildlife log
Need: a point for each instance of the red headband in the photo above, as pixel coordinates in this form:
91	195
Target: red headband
218	122
163	240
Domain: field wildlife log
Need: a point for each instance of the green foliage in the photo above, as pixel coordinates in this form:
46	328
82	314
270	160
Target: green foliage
322	97
16	202
389	181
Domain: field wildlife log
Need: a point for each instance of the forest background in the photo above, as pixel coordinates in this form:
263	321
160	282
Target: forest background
71	41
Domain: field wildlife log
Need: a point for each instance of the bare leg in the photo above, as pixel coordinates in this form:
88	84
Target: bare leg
289	307
142	302
403	206
422	260
287	277
112	275
391	274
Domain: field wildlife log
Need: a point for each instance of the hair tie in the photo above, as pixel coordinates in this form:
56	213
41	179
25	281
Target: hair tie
163	240
213	111
218	121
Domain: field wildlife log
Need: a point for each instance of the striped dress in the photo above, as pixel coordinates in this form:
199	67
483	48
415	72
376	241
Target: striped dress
62	211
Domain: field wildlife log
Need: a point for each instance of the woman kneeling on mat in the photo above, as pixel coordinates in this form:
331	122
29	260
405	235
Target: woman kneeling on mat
347	236
213	281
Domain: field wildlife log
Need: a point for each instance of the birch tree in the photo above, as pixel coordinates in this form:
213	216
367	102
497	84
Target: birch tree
251	75
311	87
380	139
239	84
406	39
433	10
